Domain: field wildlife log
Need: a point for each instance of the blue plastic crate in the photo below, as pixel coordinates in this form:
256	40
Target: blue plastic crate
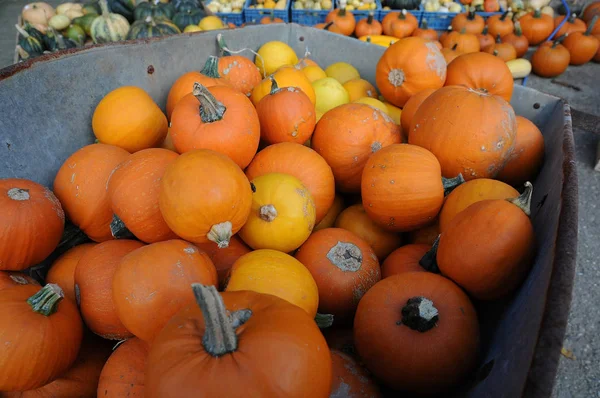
236	18
253	15
417	13
486	15
439	20
309	17
363	14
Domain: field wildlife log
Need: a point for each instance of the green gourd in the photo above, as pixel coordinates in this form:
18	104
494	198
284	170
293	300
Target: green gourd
185	18
33	31
75	33
30	44
85	22
109	27
156	10
123	7
152	27
187	5
91	8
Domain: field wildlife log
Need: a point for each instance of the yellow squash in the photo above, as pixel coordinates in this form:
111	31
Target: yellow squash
375	103
273	55
330	93
342	72
380	40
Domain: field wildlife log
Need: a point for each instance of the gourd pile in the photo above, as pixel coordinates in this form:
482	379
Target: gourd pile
272	199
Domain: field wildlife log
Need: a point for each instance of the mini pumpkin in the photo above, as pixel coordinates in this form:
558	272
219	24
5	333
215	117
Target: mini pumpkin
350	379
62	271
500	24
464	42
551	58
343	20
404	259
411	106
504	51
425	32
582	46
518	40
359	88
287	76
368	26
124	372
536	26
404	25
237	70
450	54
485	38
571	25
469	21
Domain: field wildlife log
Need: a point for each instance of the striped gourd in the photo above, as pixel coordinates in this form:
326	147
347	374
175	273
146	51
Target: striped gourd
185	18
156	10
152	27
109	27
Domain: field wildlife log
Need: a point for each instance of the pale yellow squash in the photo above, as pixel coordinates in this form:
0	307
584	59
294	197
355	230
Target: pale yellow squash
330	93
273	55
342	72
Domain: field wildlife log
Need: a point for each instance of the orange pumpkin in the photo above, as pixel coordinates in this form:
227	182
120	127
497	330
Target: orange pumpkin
417	332
133	192
269	19
526	159
356	220
407	67
331	27
80	185
301	162
368	26
518	40
469	21
450	54
551	58
12	279
347	135
344	267
404	25
485	39
124	372
386	22
464	42
500	25
425	33
31	224
218	118
572	25
582	46
159	277
350	379
287	76
411	106
504	51
536	26
591	11
240	72
343	20
476	149
404	259
425	235
360	88
334	211
62	271
93	287
205	196
224	258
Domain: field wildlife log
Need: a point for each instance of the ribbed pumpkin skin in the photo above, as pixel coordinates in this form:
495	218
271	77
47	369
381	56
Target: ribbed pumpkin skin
123	373
404	259
62	271
109	27
159	10
240	72
185	18
155	27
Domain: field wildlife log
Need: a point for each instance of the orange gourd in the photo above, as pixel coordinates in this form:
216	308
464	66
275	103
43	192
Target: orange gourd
62	271
407	67
205	196
582	46
334	211
80	185
404	25
343	20
500	24
485	39
469	21
12	278
331	27
504	51
287	76
536	26
350	379
240	73
411	106
224	258
31	224
404	259
571	25
518	40
368	26
551	58
425	33
124	372
347	135
464	42
359	88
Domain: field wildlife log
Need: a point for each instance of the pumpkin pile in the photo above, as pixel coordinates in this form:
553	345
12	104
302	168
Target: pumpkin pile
274	198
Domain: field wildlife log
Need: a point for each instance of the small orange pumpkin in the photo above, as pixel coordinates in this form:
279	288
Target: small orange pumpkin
224	258
485	39
360	88
240	72
450	54
343	20
518	40
368	26
582	46
536	26
124	372
551	58
469	21
404	259
572	25
465	42
504	51
411	106
350	379
62	271
287	76
500	25
425	33
269	19
404	25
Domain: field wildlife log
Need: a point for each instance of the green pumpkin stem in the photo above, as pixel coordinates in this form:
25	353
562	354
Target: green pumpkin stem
495	53
219	325
402	15
119	230
523	201
211	110
485	30
104	8
590	27
419	314
324	320
222	45
342	12
46	300
498	38
572	18
451	183
471	14
274	86
211	67
559	40
370	18
518	30
537	13
429	259
503	17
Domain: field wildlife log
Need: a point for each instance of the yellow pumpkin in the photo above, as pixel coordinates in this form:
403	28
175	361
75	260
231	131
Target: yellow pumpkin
375	103
287	76
314	73
330	93
273	55
276	273
394	112
342	72
211	22
192	28
358	88
282	216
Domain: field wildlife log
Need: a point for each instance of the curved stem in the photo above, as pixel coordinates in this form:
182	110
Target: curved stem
211	110
454	47
222	45
274	86
451	183
537	13
327	26
419	314
503	17
219	326
267	213
429	260
523	201
220	234
324	320
211	67
119	230
590	27
45	301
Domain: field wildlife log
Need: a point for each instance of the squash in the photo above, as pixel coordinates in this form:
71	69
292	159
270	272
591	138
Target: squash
356	220
359	88
282	215
59	22
334	211
204	196
450	54
152	27
237	70
314	73
572	25
344	267
582	46
185	5
36	324
211	22
329	93
519	68
189	17
350	379
38	14
33	31
417	332
303	163
109	27
504	51
373	103
527	157
464	42
342	72
85	22
488	248
500	25
485	39
272	56
155	10
343	20
380	40
407	67
224	258
404	25
218	118
13	278
223	326
536	27
129	118
31	225
347	135
124	372
30	44
411	106
404	259
471	192
133	191
478	149
368	26
123	7
80	185
287	76
62	271
425	32
518	40
469	21
551	58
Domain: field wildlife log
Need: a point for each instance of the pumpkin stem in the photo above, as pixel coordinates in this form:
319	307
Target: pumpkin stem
22	31
370	18
429	259
150	20
454	47
471	13
503	17
588	31
518	30
219	325
559	40
274	86
498	38
267	213
523	201
572	18
396	77
327	26
119	230
451	183
211	67
220	234
419	314
346	256
424	25
342	12
222	45
45	301
324	320
104	8
402	14
485	30
211	110
537	13
495	53
18	194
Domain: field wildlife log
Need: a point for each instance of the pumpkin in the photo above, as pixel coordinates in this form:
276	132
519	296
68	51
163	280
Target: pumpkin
182	19
582	46
356	220
395	113
571	25
334	211
487	248
269	19
303	163
450	54
152	27
80	185
591	11
218	118
29	43
406	19
31	225
36	325
504	51
224	258
411	107
273	55
404	25
425	32
469	21
159	277
347	135
62	271
343	20
282	215
109	27
417	332
205	196
330	94
536	26
93	287
344	267
407	67
287	76
499	24
359	88
156	10
485	38
133	191
518	40
223	326
184	85
127	117
427	234
465	42
124	372
471	192
477	149
528	154
38	14
122	7
278	274
350	379
368	26
314	73
404	259
12	278
238	71
551	58
342	72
